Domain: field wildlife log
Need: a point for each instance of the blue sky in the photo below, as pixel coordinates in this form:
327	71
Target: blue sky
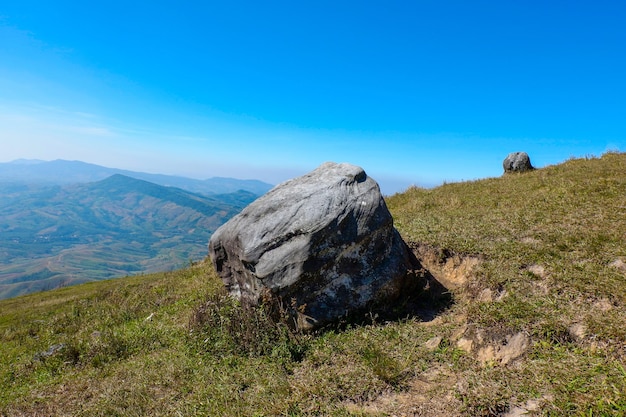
416	92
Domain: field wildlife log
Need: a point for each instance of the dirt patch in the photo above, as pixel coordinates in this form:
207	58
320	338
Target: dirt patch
577	331
530	241
432	393
541	287
619	264
485	296
433	343
451	269
603	305
538	270
490	349
526	409
516	345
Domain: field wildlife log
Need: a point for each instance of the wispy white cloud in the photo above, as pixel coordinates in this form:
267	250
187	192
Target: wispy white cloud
38	120
89	130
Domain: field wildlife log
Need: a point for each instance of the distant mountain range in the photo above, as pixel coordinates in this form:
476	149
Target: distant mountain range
61	172
57	228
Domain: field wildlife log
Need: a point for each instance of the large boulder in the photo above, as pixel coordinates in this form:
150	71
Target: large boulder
517	162
324	243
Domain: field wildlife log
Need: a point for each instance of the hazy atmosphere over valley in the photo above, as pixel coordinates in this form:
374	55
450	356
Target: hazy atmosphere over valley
415	92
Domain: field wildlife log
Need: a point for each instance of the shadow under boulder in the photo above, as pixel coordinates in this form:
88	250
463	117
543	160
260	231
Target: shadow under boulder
324	245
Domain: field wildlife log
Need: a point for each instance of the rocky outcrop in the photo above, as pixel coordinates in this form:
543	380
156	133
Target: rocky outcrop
324	243
517	162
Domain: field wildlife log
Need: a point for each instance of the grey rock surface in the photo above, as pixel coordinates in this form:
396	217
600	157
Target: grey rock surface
517	162
324	243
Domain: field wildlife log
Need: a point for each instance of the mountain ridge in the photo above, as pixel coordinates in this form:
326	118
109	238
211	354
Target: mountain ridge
64	172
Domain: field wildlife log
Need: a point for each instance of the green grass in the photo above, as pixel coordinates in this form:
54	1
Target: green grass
173	344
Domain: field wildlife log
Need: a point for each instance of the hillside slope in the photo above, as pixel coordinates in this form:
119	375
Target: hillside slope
535	264
52	235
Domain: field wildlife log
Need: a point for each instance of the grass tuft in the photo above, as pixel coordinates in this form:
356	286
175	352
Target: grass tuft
223	326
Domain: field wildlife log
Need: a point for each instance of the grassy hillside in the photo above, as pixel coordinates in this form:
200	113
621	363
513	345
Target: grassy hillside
535	265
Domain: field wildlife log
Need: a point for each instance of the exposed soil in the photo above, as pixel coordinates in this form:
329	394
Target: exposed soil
451	269
434	392
430	394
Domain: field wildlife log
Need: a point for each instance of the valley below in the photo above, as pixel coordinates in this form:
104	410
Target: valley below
58	235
